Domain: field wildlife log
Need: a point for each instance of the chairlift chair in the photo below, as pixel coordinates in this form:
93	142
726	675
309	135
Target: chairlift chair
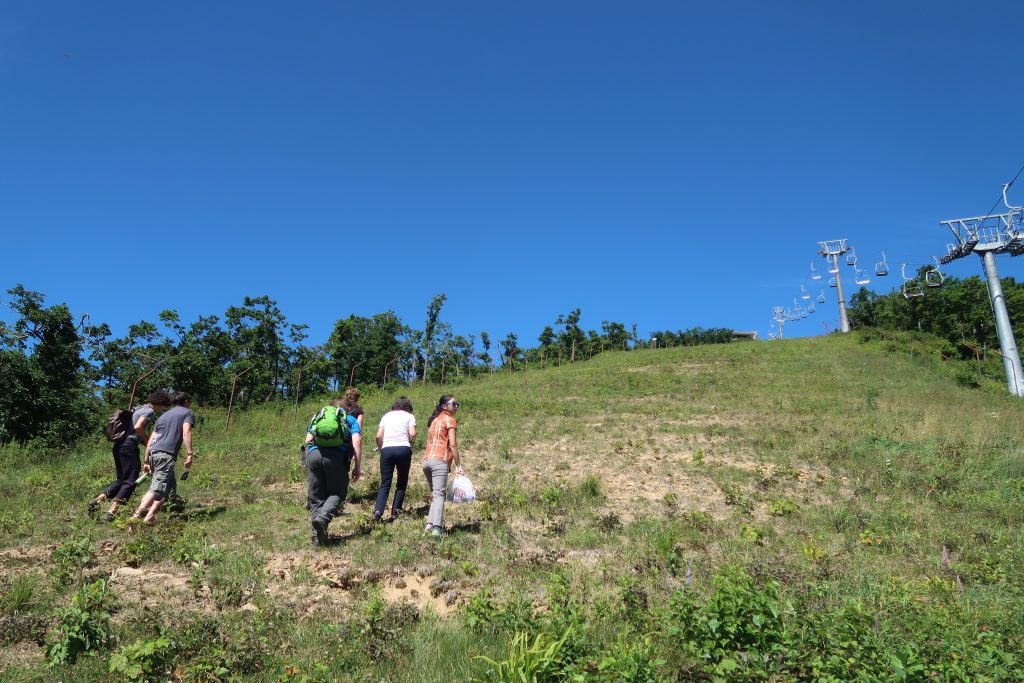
804	294
810	308
851	258
934	277
860	278
882	268
833	264
821	296
912	288
815	275
831	282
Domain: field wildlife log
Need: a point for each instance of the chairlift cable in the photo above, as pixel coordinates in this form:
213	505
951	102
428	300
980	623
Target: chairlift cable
1009	185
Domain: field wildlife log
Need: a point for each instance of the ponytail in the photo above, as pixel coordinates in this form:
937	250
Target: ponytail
438	409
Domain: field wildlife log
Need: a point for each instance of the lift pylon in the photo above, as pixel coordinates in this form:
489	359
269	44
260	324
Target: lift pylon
831	251
988	236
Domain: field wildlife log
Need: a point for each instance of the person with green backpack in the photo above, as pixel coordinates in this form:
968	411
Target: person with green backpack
333	441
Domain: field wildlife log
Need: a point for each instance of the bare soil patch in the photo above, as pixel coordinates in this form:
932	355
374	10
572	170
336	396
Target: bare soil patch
159	587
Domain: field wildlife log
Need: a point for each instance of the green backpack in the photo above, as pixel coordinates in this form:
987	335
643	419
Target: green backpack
330	428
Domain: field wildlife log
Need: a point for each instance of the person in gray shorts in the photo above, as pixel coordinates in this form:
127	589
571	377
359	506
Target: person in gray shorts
172	429
126	455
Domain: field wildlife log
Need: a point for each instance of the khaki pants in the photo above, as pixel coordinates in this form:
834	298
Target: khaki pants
436	472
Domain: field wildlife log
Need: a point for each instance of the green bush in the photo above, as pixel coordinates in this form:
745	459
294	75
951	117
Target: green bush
70	558
84	625
142	660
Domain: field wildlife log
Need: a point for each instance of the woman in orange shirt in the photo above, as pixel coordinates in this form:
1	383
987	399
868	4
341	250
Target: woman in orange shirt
442	451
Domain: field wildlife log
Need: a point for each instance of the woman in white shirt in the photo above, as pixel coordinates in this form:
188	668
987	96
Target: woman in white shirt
394	437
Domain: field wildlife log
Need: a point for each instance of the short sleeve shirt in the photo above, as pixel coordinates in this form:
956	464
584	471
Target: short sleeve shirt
168	430
438	447
143	411
395	424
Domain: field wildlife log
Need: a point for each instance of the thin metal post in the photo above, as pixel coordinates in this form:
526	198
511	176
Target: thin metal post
386	366
135	384
352	375
844	322
231	399
298	385
1007	344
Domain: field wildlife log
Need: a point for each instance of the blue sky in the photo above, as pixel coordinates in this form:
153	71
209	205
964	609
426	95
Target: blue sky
671	164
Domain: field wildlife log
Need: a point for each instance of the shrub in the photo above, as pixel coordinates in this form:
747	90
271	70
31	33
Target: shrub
84	625
70	558
142	660
738	618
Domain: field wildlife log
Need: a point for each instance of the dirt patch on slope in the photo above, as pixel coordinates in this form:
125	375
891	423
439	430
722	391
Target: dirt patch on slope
313	581
159	587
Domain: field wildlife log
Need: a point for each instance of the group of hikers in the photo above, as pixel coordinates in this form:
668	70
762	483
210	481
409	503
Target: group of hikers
332	454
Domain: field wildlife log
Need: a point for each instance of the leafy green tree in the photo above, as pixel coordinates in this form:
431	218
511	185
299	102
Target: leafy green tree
430	329
511	345
45	395
367	344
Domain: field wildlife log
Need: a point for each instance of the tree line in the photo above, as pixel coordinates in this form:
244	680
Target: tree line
59	372
958	311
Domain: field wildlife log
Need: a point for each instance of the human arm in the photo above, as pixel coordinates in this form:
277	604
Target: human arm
145	461
186	438
380	436
140	429
357	455
453	448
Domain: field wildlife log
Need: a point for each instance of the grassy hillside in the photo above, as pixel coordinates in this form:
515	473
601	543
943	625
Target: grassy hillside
806	509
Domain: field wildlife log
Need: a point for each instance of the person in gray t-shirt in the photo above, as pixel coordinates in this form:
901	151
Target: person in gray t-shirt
173	429
126	455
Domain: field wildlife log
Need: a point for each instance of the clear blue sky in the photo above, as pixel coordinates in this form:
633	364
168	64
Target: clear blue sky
671	164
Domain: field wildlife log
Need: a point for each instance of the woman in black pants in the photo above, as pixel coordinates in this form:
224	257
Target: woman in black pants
394	438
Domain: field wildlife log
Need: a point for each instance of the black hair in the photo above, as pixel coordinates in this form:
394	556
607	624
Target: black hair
159	398
440	406
180	398
402	403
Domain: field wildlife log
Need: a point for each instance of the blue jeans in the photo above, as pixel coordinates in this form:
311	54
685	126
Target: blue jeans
392	458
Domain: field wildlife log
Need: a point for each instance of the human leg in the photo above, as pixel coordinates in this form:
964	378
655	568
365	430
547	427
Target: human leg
387	469
162	465
436	473
403	462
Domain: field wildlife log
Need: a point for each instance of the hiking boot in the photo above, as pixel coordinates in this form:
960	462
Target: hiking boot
320	535
108	516
94	505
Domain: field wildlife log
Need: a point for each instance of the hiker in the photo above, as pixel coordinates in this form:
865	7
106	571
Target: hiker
126	455
172	429
333	440
442	451
352	406
394	439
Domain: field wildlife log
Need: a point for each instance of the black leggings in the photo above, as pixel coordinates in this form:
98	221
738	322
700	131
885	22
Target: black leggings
392	458
127	466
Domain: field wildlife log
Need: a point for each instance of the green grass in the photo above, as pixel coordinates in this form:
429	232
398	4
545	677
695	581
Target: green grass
637	504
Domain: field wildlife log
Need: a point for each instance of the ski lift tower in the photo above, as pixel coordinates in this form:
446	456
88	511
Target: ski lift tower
831	250
987	236
780	316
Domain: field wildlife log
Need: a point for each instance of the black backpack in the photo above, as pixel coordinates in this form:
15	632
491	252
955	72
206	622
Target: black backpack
119	426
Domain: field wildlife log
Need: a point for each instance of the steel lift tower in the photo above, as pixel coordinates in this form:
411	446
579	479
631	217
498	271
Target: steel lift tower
987	236
831	250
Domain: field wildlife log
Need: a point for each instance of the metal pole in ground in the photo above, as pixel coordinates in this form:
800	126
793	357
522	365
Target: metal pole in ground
1007	344
844	322
231	399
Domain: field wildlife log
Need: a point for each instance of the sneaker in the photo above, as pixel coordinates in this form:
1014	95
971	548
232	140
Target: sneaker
435	532
428	528
94	505
108	516
320	532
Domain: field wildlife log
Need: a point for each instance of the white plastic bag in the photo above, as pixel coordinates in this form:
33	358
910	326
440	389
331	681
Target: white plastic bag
462	490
